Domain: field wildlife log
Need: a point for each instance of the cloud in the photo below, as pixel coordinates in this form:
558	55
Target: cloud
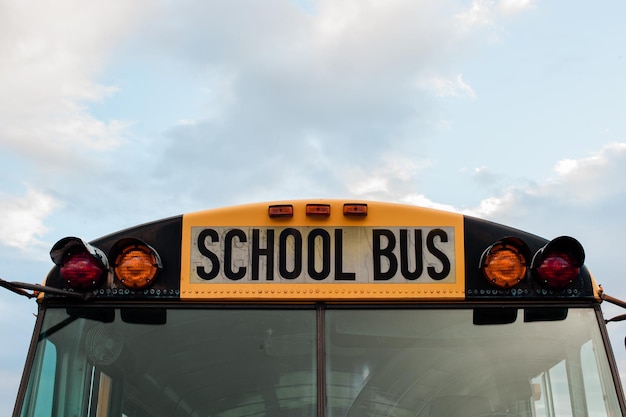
395	179
48	73
487	15
595	178
348	62
585	182
343	73
313	102
442	87
22	219
481	13
513	7
485	176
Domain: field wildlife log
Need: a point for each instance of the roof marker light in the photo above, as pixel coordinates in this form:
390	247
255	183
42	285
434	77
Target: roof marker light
504	263
82	265
280	210
136	263
355	209
322	210
558	263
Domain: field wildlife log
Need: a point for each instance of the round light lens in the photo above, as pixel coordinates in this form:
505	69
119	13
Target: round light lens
504	265
136	266
558	270
81	270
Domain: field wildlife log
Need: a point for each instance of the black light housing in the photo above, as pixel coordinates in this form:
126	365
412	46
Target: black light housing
558	263
82	265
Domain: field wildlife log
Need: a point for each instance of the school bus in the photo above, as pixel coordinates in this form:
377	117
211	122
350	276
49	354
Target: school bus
320	308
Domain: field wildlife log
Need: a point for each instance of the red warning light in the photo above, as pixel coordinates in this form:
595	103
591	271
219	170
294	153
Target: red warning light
557	269
558	263
82	270
82	265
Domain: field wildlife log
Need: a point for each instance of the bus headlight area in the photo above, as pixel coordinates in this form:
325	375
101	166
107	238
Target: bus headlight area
321	308
556	265
509	266
82	265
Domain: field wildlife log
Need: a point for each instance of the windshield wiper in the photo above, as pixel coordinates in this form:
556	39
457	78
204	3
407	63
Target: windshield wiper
21	287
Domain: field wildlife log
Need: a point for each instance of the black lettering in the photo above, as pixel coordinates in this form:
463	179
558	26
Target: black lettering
404	255
268	252
434	250
228	254
206	252
297	253
325	246
340	275
386	252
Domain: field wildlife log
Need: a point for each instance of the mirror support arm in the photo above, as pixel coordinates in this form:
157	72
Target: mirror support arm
20	287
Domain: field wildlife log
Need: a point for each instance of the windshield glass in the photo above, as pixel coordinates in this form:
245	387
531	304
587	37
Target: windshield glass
335	362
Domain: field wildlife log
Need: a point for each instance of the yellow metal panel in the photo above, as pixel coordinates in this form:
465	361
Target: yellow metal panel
389	218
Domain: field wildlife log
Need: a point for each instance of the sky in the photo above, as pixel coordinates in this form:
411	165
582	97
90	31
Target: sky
121	112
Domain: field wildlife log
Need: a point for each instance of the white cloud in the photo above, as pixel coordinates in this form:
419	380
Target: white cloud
480	13
585	199
300	99
50	56
395	180
513	7
488	15
422	201
359	77
22	219
596	177
442	87
593	181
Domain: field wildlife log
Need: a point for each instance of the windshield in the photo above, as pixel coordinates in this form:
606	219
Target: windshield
335	362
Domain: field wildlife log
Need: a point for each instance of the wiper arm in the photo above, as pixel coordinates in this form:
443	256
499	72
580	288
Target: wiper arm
20	287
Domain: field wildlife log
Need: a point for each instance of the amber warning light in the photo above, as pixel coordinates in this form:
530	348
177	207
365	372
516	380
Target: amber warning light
281	210
322	210
504	262
136	264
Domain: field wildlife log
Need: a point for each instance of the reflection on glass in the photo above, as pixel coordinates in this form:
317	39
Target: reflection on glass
436	363
222	363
